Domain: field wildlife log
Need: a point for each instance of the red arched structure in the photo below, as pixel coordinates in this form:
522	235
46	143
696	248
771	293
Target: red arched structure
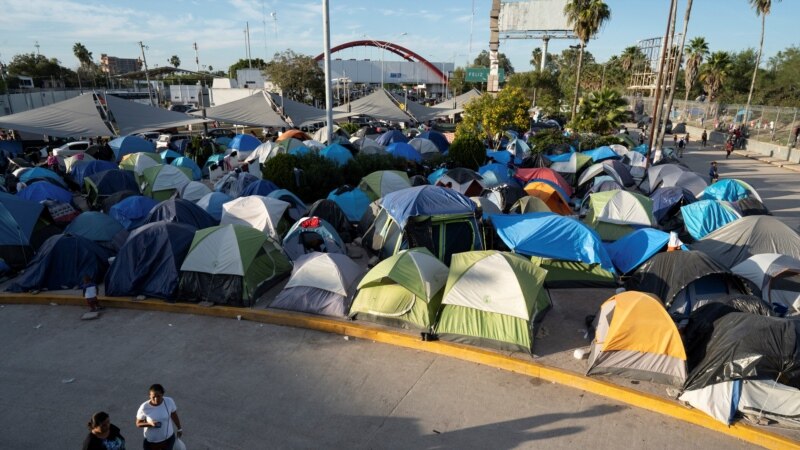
407	54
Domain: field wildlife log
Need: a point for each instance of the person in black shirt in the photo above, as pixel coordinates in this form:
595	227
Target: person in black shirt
103	435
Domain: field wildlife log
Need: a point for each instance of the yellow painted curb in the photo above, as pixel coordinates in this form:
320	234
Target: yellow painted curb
489	358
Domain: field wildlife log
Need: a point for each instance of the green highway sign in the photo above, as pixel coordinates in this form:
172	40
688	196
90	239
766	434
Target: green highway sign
481	74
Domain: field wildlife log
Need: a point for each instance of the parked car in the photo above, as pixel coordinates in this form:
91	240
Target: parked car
181	108
151	136
165	140
220	132
71	148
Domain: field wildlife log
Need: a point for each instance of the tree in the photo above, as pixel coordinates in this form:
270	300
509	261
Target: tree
631	57
256	63
487	116
601	112
714	73
696	51
762	8
174	61
586	17
83	54
482	60
39	67
298	76
542	87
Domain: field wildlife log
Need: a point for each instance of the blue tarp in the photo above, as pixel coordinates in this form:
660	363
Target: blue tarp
354	202
438	139
212	204
665	198
95	226
601	154
42	190
631	251
40	173
549	235
149	262
391	137
337	153
131	211
130	144
725	190
405	151
705	216
83	169
244	143
494	174
179	210
260	187
563	157
425	201
62	262
188	163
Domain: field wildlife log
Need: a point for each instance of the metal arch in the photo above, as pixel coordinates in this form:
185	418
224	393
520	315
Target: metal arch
407	54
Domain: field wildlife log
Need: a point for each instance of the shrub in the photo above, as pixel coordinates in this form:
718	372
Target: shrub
467	151
349	127
279	170
546	140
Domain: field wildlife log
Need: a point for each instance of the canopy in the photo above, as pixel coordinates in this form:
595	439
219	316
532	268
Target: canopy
298	113
456	104
132	117
255	110
77	117
379	105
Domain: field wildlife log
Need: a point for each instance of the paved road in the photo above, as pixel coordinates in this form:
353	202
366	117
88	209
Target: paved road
243	385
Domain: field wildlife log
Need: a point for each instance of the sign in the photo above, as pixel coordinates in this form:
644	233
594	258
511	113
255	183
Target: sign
481	74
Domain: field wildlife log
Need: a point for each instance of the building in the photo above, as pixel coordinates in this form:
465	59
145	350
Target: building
116	66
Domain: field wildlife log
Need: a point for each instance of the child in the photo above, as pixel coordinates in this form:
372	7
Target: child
713	174
90	293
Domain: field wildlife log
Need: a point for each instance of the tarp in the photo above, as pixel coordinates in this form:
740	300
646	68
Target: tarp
634	249
601	154
456	104
255	110
749	236
132	117
419	111
425	201
77	117
379	105
298	113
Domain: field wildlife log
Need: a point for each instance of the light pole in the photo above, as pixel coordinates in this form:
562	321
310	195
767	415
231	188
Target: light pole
383	53
146	74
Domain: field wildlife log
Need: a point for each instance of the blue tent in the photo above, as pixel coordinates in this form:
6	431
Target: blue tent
234	183
502	157
631	251
243	143
180	145
18	217
40	173
149	263
41	190
212	204
640	149
83	169
438	139
298	208
222	140
728	190
552	236
300	150
124	145
260	187
169	155
295	243
337	153
405	151
666	199
495	174
188	163
705	216
62	262
436	174
181	211
131	211
562	157
11	147
425	201
98	227
391	137
353	201
105	183
601	154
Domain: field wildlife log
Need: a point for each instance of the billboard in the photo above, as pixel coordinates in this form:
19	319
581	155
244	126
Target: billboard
533	15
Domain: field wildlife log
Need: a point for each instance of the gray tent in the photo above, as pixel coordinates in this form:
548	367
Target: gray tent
749	236
379	105
255	110
76	117
298	113
132	117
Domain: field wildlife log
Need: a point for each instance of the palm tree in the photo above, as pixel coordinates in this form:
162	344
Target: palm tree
696	51
536	58
714	72
603	111
762	8
174	61
586	17
83	54
629	57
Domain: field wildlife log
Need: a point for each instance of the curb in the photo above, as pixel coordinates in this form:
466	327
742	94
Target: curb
788	165
477	355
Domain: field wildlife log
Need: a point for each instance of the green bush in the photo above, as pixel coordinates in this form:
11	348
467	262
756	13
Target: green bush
608	140
349	127
467	151
546	140
279	170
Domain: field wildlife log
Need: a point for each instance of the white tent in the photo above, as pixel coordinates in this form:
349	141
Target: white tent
755	397
194	191
424	146
776	276
256	211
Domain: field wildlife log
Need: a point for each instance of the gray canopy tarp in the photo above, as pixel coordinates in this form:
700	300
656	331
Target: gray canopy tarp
419	111
255	110
378	105
76	117
131	117
299	113
456	104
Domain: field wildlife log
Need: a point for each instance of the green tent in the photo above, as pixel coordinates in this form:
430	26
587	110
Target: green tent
231	264
377	184
614	214
493	299
570	274
404	290
160	182
138	162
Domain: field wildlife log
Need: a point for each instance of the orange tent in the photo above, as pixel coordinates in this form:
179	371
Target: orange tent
297	134
543	173
550	196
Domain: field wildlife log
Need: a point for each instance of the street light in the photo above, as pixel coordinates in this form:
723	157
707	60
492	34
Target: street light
383	52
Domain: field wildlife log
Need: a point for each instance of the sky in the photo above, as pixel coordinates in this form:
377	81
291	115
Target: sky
439	30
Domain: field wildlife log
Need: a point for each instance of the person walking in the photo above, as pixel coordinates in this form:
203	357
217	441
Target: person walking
103	435
713	173
681	146
159	418
704	138
90	293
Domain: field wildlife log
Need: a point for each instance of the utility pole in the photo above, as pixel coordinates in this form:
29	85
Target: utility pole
656	117
326	42
247	43
196	57
37	47
146	74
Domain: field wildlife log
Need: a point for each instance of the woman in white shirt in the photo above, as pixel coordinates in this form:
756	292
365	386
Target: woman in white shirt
159	418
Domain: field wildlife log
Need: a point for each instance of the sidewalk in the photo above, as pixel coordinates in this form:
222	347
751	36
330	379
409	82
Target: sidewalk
766	159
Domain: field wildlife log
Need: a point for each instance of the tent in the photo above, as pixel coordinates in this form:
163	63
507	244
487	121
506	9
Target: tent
438	139
572	167
84	168
160	182
259	187
636	163
40	191
264	152
61	263
149	262
704	216
518	148
528	205
77	117
434	176
115	198
194	191
297	209
70	161
39	173
138	162
243	143
391	137
377	184
545	174
126	145
667	203
404	290
729	190
232	265
464	181
98	227
685	280
132	211
601	154
656	173
18	219
425	147
336	153
633	250
312	234
352	201
179	210
550	196
367	146
297	134
690	181
776	277
168	155
255	110
615	214
636	338
619	172
495	174
330	211
405	151
749	236
265	214
751	206
439	219
212	204
188	163
321	283
493	299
